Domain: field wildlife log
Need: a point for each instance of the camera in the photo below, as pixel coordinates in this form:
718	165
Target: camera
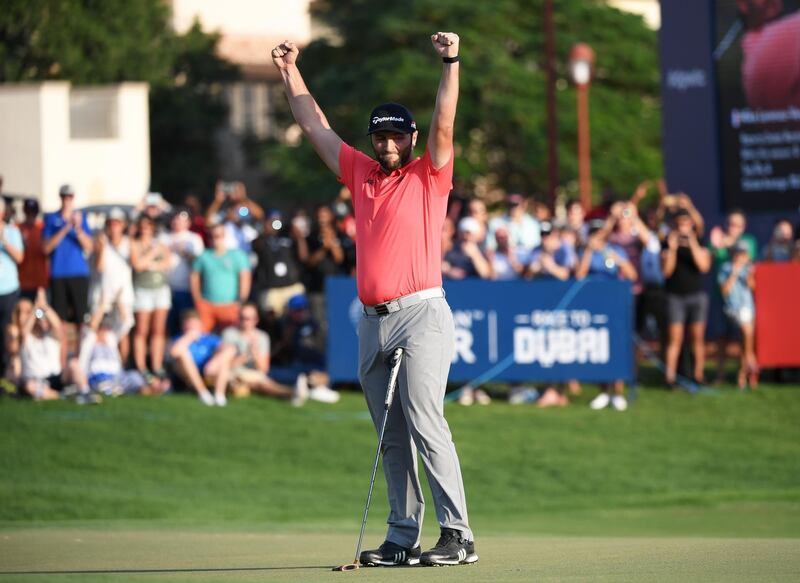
626	212
227	187
38	313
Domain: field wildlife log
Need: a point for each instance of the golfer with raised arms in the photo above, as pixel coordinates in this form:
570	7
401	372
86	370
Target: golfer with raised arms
400	204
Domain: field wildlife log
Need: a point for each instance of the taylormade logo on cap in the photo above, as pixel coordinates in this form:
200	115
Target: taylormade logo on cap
391	117
376	120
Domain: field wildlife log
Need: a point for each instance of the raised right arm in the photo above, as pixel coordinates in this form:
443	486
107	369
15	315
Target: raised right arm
305	110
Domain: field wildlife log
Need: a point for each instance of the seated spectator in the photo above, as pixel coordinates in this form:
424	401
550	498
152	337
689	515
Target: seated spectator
151	260
684	261
43	377
220	281
305	345
508	262
33	271
100	365
185	246
551	260
112	276
466	259
190	353
523	229
11	376
781	245
602	259
67	241
736	279
281	251
244	358
11	254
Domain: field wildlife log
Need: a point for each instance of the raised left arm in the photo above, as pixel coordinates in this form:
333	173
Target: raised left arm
440	139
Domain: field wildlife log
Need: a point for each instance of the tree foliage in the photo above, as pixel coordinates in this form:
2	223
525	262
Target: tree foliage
381	52
91	42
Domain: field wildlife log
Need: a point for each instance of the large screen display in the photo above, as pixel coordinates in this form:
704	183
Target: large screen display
757	59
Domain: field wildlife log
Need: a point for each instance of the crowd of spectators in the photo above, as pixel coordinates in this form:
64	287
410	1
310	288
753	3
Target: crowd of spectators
230	299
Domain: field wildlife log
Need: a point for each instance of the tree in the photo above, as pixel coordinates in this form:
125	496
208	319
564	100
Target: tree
92	42
381	52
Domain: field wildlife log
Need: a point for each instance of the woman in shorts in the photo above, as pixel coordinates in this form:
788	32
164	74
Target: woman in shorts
150	260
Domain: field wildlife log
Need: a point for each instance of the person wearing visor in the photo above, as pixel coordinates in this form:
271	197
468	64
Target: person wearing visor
400	204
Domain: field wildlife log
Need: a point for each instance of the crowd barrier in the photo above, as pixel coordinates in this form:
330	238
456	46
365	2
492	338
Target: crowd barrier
777	314
515	330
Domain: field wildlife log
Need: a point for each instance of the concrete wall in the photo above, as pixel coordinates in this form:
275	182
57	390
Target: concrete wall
39	149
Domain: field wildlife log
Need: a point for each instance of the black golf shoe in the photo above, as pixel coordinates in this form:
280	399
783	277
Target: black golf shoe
452	549
390	555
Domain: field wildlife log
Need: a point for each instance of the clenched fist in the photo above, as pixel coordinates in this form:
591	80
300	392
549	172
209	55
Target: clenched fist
285	54
445	44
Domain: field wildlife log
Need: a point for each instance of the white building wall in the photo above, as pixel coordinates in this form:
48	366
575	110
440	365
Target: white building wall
20	138
38	154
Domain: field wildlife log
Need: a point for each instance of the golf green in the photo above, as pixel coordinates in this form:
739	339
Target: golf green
178	555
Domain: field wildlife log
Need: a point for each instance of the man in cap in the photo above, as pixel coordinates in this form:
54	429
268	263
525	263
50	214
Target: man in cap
400	203
67	241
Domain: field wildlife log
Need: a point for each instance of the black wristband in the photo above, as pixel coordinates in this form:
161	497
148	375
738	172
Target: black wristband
450	59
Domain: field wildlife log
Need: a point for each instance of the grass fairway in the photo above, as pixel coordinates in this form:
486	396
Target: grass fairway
680	487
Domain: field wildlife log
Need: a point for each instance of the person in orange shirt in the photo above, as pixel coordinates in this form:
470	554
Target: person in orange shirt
33	271
400	204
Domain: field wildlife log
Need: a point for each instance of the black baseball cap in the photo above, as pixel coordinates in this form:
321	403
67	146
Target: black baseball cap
391	117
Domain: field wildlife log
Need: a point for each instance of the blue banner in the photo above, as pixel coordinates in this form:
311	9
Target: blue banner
512	330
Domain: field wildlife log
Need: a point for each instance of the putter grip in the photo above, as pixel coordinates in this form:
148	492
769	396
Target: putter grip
396	358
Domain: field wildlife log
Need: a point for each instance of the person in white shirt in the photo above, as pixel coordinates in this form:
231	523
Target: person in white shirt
43	377
112	276
186	246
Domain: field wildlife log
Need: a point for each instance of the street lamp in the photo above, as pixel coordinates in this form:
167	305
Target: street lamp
581	63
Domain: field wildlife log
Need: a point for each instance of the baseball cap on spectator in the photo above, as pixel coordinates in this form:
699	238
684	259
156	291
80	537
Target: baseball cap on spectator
391	117
117	214
469	225
596	225
31	205
66	190
298	302
546	227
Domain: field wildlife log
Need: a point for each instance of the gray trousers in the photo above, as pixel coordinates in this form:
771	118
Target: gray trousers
416	420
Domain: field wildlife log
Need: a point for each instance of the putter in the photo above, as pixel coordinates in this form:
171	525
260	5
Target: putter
397	357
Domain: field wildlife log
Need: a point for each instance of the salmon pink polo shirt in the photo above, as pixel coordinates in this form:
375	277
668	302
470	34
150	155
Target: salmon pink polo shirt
399	219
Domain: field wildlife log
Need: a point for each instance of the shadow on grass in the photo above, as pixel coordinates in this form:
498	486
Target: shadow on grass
146	571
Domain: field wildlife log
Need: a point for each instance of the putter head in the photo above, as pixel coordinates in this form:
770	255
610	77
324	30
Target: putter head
348	567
